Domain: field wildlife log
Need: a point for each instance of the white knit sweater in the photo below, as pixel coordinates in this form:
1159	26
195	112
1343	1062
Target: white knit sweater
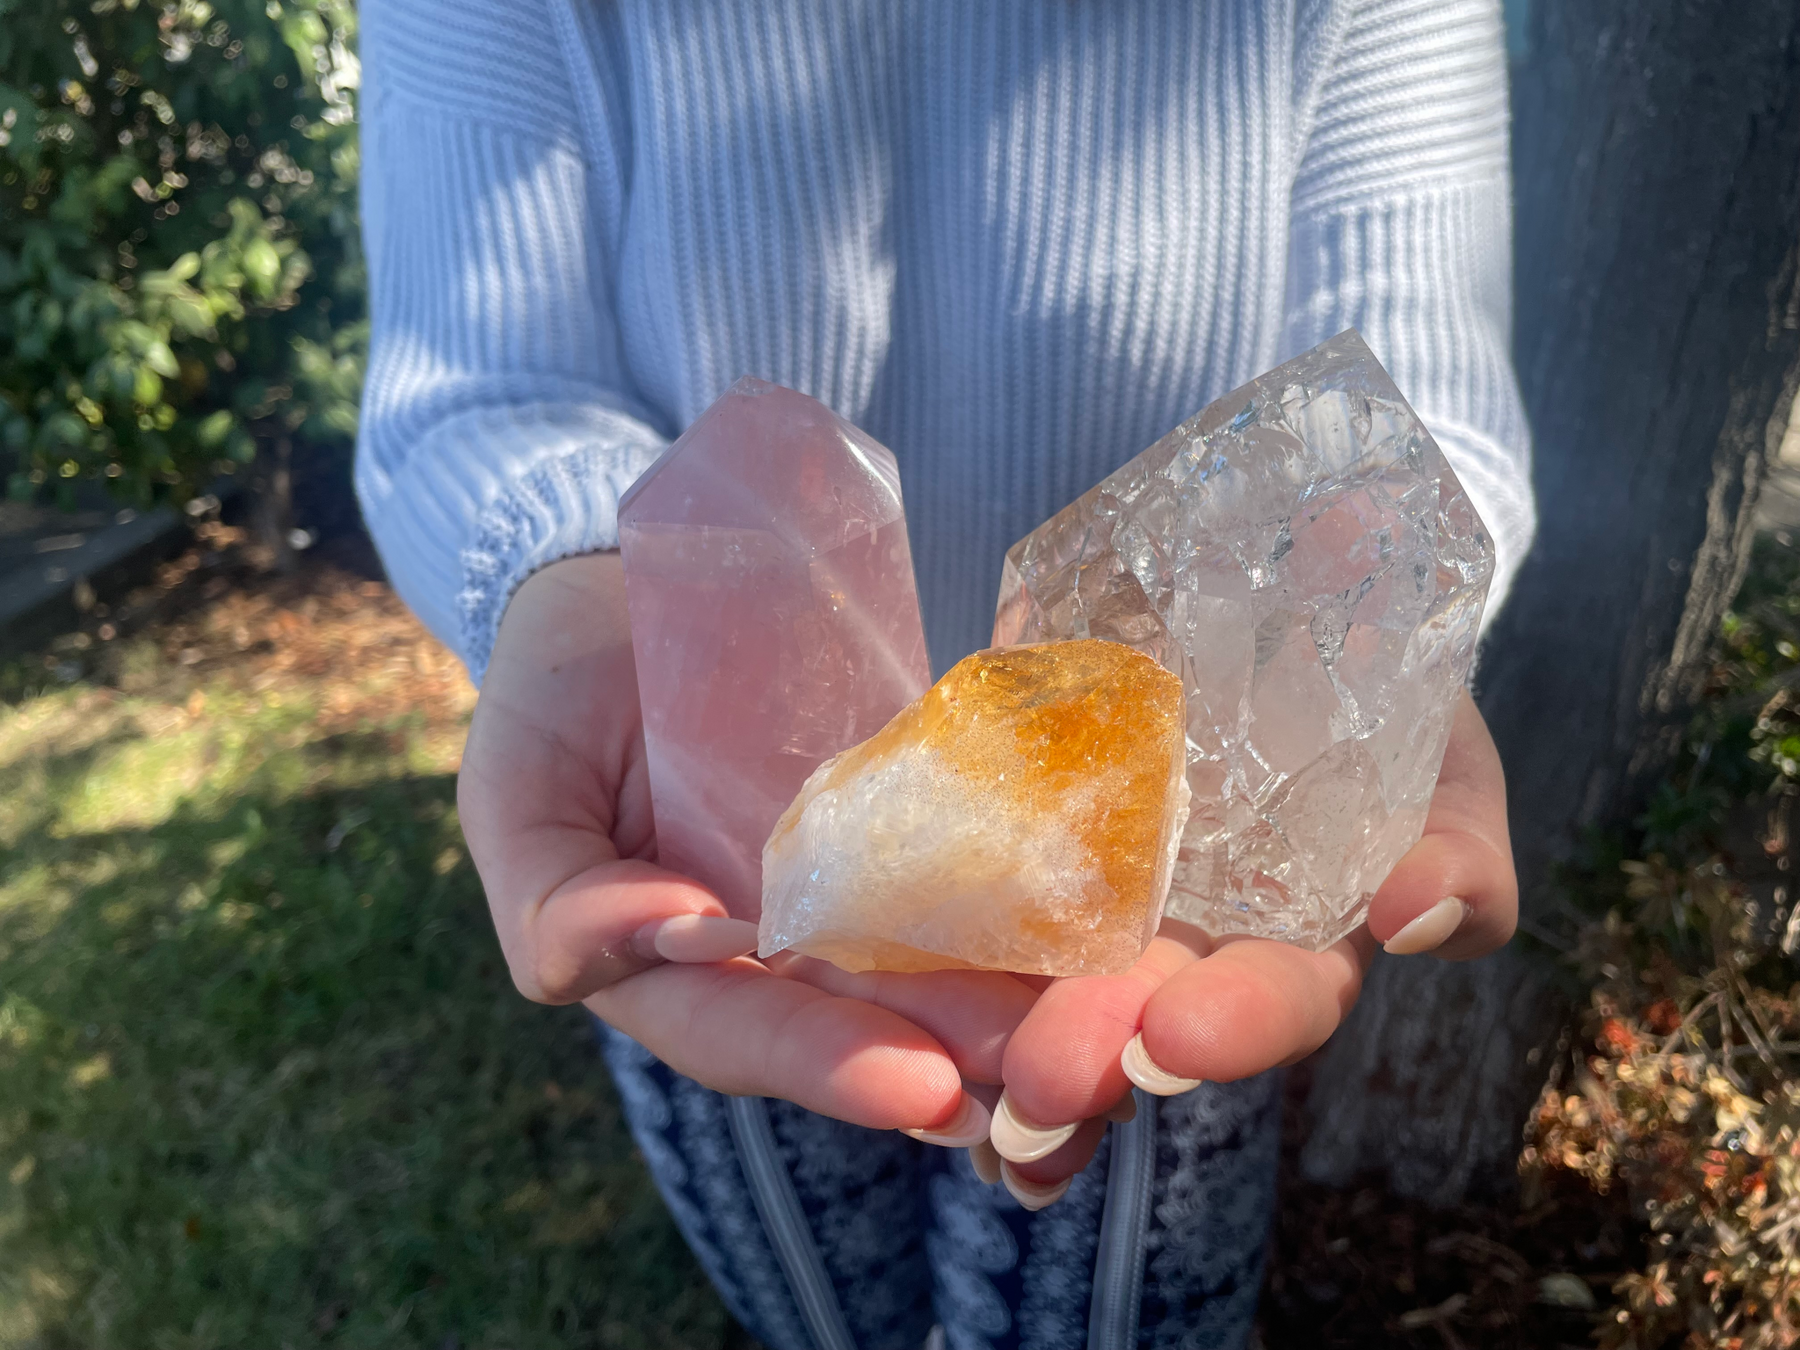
1017	240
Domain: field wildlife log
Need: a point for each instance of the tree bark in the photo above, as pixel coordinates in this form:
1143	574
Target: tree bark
272	505
1657	178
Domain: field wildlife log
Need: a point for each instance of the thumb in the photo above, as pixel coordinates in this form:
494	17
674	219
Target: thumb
613	920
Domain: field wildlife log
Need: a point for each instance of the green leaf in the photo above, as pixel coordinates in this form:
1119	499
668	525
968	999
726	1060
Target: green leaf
213	430
160	359
147	390
61	431
182	269
245	217
114	375
190	314
262	264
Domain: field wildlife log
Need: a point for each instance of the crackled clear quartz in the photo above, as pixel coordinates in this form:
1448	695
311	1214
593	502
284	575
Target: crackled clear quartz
1301	554
774	620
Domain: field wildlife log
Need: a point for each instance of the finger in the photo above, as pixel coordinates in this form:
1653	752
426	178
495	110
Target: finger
553	771
1455	892
551	791
1121	1111
1045	1180
971	1013
613	920
739	1029
1030	1194
696	937
1062	1063
1250	1006
1451	895
968	1128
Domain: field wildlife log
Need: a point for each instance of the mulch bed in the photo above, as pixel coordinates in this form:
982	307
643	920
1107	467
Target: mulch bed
1361	1267
214	611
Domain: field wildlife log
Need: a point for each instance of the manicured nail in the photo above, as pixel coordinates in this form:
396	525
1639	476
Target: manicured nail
985	1161
1122	1110
1023	1141
1430	930
1149	1075
967	1127
696	938
1031	1194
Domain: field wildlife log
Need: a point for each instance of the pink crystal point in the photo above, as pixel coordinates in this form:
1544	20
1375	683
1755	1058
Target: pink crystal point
774	620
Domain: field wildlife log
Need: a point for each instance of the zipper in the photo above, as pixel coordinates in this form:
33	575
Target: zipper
785	1224
1124	1224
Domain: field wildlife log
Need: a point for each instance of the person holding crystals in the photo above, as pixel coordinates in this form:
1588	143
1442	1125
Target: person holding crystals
1016	242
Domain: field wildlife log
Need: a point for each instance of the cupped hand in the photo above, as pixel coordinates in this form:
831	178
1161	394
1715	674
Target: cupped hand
1194	1009
554	798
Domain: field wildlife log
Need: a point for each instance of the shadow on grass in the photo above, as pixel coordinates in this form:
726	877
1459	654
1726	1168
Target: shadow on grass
264	1081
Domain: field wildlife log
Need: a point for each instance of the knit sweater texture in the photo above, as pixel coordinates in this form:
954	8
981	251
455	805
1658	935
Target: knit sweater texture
1016	240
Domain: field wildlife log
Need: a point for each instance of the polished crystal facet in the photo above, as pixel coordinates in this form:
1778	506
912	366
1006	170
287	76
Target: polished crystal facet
773	620
1301	554
1023	816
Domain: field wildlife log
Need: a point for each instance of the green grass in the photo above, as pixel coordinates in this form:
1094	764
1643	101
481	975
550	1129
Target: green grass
264	1081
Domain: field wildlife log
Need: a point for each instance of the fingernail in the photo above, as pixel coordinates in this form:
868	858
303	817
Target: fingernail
1024	1142
967	1127
1031	1194
1148	1074
1430	930
696	938
985	1161
1122	1110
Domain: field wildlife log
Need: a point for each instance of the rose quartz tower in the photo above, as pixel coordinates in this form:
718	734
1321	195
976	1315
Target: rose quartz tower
774	620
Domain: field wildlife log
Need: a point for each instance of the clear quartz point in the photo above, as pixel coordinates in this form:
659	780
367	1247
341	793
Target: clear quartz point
1302	556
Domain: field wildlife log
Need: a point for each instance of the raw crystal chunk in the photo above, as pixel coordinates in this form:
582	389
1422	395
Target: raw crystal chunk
1023	815
1302	556
773	620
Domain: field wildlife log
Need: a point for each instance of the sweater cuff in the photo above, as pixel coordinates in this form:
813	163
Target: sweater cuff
567	505
491	495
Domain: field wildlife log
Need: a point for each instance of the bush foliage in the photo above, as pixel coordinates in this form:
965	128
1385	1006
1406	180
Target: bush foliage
180	276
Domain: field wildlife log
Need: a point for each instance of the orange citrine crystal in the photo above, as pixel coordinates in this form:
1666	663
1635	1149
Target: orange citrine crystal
1022	815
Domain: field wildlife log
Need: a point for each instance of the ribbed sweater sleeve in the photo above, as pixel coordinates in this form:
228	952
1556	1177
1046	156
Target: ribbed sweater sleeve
1401	227
499	425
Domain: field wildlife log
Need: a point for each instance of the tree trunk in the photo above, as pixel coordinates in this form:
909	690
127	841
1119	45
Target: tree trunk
1657	168
272	505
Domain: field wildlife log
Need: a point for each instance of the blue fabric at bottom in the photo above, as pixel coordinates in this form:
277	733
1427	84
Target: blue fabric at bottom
911	1237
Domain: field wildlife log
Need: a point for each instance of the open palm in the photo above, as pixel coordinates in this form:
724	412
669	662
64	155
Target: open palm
555	804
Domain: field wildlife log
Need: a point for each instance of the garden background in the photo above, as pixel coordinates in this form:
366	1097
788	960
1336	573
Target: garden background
263	1078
